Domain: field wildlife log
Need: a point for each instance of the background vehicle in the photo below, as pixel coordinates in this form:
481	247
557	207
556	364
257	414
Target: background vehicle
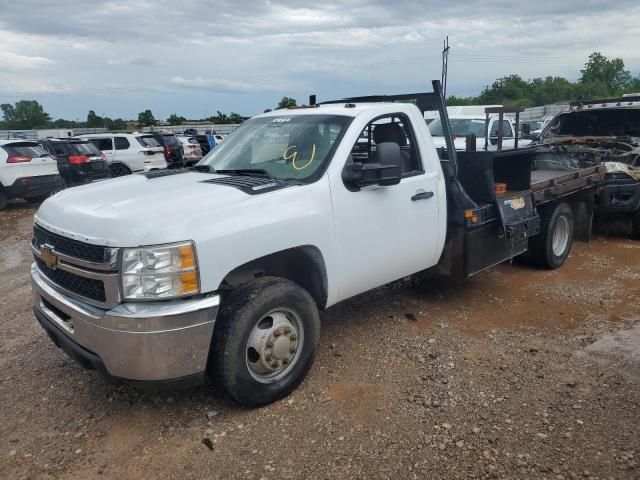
463	125
79	161
173	151
127	153
599	132
203	141
192	150
290	220
26	171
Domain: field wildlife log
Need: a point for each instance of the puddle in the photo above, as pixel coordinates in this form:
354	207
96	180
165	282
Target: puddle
625	343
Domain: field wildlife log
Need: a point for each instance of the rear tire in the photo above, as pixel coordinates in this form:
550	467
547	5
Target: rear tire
118	170
264	341
3	199
635	225
551	247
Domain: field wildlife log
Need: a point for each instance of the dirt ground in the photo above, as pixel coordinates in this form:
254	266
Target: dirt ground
515	373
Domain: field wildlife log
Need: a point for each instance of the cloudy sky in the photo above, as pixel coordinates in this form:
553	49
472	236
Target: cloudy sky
196	57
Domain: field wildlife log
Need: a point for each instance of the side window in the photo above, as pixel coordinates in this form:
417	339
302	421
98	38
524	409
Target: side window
506	126
121	143
507	131
102	143
394	129
59	149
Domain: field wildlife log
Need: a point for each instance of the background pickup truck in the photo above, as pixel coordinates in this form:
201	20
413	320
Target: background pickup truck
599	132
297	210
463	125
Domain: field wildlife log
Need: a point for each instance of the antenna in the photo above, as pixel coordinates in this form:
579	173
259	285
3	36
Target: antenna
445	61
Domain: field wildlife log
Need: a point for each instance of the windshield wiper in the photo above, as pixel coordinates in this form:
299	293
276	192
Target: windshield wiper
245	171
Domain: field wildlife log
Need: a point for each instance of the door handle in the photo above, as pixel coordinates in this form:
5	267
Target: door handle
421	196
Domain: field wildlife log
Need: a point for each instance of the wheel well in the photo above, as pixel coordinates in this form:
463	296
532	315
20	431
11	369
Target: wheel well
120	163
303	265
582	206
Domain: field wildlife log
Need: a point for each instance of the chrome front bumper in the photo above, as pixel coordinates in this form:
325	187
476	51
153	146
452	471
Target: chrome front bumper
144	341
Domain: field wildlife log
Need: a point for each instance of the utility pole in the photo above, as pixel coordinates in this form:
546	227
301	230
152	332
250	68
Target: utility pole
445	61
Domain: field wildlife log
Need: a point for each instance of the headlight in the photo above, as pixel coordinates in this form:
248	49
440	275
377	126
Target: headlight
160	272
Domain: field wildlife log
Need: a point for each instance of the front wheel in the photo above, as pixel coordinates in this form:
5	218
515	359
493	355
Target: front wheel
264	341
551	247
118	170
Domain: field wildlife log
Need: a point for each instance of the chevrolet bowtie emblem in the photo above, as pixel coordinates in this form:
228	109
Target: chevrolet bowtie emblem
48	256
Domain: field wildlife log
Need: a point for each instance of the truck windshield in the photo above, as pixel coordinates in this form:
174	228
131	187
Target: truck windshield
460	127
287	147
612	122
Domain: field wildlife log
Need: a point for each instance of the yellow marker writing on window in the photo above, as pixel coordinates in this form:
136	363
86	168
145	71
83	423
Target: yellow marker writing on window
293	156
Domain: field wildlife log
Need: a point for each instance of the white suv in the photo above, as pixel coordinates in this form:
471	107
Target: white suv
128	152
192	150
26	171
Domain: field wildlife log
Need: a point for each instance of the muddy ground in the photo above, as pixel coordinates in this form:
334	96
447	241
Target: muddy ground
515	373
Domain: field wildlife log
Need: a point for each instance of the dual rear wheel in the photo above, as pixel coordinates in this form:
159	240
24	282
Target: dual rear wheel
551	247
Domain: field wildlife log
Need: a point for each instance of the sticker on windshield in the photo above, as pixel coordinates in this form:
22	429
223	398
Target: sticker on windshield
477	121
292	156
281	120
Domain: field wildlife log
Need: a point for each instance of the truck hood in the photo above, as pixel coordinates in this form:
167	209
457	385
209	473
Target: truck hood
134	210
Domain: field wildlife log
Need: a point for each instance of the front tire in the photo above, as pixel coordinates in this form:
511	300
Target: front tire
118	170
265	340
551	247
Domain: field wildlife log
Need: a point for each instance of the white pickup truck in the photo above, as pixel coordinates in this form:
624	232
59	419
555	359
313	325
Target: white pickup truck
463	125
290	216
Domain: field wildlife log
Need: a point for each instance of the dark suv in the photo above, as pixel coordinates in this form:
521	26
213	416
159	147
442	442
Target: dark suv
202	140
79	161
173	149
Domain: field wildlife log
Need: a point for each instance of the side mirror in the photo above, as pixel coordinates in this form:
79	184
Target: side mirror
384	170
526	129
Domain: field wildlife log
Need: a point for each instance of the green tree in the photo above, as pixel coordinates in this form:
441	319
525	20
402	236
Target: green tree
174	119
62	123
119	124
235	118
286	102
25	114
604	77
94	121
146	119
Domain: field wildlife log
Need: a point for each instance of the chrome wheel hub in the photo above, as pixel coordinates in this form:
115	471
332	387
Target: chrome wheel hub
560	237
273	345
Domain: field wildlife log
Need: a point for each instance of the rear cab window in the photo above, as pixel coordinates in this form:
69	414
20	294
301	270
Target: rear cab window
84	148
148	142
25	149
171	140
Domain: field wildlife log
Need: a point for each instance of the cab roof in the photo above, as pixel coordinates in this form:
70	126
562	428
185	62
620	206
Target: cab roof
345	109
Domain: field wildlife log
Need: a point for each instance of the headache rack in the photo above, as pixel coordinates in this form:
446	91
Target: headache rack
426	102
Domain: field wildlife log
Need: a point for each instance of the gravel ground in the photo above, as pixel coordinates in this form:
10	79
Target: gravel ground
515	373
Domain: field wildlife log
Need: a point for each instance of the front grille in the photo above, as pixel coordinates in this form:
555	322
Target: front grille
67	246
85	287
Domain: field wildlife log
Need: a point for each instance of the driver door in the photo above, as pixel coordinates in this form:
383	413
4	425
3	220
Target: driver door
386	233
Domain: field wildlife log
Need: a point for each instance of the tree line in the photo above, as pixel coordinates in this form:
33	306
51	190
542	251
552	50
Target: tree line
29	114
601	78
